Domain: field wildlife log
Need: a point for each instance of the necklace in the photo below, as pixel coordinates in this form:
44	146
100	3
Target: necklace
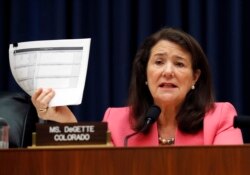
169	141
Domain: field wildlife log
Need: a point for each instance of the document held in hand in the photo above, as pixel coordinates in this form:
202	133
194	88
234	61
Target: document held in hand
57	64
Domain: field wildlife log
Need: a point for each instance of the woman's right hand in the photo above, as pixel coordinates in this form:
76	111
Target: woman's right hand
61	114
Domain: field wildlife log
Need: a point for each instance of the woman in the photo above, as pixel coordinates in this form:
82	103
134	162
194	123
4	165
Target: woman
171	71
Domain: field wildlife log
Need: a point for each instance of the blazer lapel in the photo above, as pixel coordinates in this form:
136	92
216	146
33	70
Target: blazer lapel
150	139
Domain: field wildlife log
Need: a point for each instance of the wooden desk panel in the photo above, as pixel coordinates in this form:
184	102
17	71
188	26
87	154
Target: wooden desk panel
202	160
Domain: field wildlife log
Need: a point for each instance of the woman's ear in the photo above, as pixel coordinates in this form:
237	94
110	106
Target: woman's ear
197	74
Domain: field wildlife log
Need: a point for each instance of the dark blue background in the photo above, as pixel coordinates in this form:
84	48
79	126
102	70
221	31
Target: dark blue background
117	27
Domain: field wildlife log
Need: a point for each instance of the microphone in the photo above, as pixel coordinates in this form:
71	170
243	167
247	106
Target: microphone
151	116
242	121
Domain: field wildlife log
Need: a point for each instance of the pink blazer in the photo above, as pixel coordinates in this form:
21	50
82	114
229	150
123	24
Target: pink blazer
218	129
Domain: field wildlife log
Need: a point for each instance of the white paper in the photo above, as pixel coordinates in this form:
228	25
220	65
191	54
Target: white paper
57	64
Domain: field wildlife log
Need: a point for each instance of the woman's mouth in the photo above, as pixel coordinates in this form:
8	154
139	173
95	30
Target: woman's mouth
167	85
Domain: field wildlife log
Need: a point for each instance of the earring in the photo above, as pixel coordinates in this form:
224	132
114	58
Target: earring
192	87
146	83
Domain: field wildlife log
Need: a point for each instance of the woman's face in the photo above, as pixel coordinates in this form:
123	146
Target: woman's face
169	73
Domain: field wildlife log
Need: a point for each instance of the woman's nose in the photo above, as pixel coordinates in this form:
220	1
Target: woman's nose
168	70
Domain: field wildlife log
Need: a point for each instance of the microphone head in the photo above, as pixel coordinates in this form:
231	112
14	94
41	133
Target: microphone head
241	121
153	114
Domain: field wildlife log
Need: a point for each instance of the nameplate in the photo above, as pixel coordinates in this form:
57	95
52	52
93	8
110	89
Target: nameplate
71	133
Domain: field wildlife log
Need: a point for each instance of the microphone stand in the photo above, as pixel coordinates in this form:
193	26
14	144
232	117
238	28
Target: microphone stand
134	133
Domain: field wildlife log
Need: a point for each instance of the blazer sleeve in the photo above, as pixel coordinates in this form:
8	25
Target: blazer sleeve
225	132
106	115
118	124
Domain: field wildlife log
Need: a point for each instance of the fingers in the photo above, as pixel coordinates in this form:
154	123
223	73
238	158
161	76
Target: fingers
35	95
41	99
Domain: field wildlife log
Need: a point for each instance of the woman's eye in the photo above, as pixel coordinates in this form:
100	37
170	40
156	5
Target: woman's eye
158	62
180	64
